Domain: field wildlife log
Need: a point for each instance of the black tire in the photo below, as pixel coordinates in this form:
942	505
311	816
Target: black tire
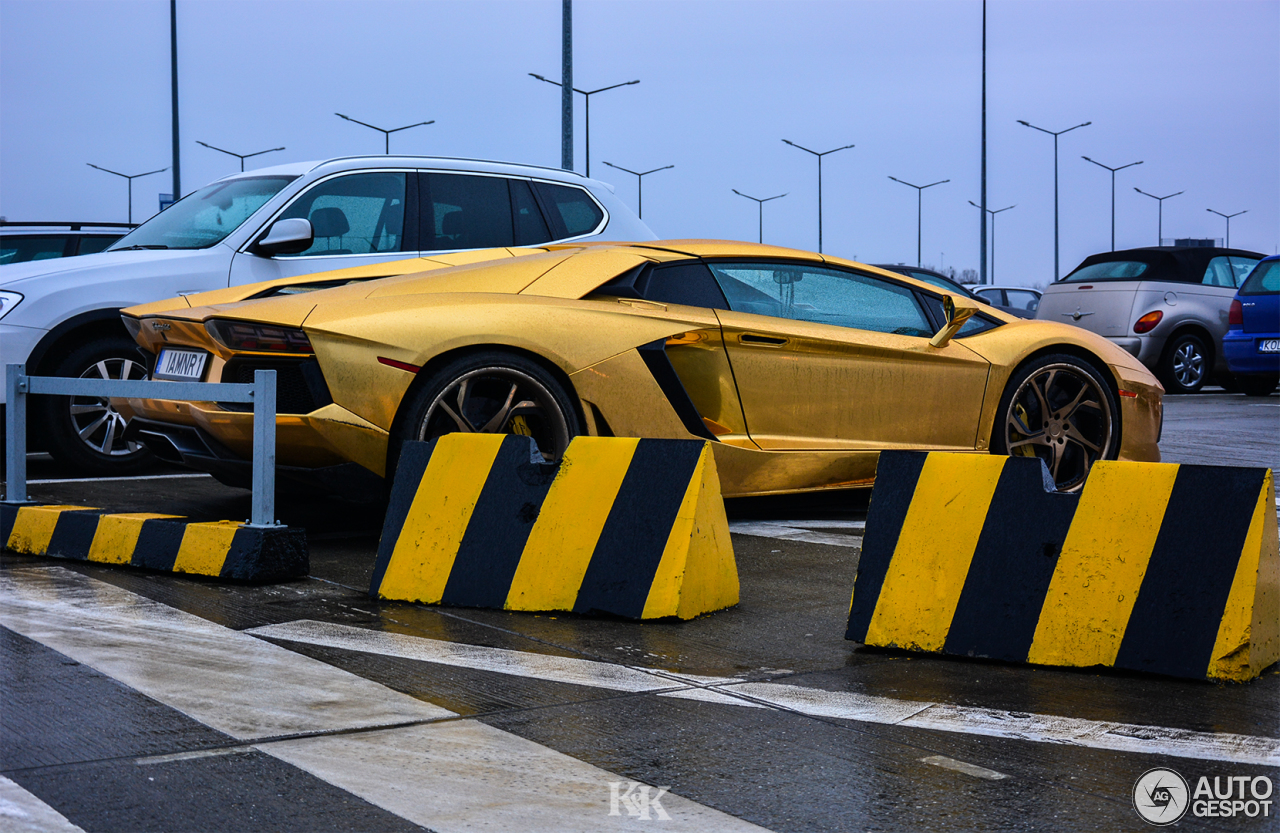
1059	408
489	392
1186	364
1257	385
85	431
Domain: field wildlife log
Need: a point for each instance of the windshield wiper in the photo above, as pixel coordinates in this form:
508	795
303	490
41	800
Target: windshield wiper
137	246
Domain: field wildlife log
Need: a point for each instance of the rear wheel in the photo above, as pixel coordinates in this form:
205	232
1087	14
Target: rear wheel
1185	365
1060	409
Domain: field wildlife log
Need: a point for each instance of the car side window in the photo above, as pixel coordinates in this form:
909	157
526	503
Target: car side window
992	295
571	211
1228	272
531	227
353	215
466	211
822	296
1021	299
683	283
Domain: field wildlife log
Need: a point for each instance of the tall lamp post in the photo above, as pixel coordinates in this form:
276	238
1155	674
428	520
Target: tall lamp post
386	133
1113	192
1056	271
131	178
1228	219
1160	227
819	155
639	183
240	156
587	110
919	208
993	214
761	203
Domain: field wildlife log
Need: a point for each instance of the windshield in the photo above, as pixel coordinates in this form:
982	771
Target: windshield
1264	280
203	218
1116	270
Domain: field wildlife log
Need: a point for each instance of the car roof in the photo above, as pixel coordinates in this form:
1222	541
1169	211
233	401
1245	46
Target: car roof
1188	261
343	163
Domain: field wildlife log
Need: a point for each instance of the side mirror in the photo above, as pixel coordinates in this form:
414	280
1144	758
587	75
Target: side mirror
287	237
957	311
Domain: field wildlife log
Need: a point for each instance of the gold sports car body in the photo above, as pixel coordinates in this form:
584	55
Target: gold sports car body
798	367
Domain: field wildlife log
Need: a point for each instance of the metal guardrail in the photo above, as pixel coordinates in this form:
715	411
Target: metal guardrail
262	393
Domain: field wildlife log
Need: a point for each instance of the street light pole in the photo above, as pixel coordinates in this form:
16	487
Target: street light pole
761	205
1160	227
1228	218
386	133
587	110
131	178
639	183
993	214
819	155
1056	271
919	208
1113	192
240	156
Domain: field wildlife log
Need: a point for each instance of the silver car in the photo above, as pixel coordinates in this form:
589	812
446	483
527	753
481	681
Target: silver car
1166	305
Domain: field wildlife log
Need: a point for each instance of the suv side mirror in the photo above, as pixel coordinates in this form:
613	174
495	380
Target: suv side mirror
286	237
958	311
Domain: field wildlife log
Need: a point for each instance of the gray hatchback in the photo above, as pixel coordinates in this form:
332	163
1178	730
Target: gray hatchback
1166	305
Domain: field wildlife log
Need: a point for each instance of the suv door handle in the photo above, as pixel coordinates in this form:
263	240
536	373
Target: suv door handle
768	341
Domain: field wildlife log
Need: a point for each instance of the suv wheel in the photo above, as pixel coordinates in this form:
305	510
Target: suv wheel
1185	365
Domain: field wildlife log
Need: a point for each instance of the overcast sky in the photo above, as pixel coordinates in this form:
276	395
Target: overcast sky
1190	88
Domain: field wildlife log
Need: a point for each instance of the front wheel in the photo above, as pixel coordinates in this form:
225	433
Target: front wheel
1060	409
1184	368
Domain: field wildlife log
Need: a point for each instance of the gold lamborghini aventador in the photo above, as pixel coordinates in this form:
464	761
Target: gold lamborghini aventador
798	367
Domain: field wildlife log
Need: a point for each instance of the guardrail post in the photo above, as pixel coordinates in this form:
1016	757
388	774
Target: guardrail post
15	441
264	449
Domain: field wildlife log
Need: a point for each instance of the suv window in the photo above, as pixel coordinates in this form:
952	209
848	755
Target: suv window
1022	299
1228	271
203	218
1116	270
353	215
1264	279
14	249
571	211
95	243
531	228
464	211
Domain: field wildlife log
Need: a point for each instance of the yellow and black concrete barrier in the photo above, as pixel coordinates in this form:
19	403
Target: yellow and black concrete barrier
1170	569
222	549
629	527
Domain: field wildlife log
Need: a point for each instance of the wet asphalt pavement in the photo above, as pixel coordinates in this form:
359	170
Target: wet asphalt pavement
136	701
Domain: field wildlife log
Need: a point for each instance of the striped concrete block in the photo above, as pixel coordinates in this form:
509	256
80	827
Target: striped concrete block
1171	569
224	549
629	527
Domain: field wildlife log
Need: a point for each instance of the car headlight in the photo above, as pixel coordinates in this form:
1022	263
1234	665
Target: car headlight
258	338
8	300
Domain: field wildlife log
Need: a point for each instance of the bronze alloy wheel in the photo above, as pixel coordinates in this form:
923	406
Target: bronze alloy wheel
1059	410
501	399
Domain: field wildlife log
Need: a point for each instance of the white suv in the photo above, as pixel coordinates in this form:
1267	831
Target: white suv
61	317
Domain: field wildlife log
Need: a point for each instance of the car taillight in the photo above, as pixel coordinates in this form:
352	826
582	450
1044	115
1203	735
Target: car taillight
1147	323
1235	315
259	338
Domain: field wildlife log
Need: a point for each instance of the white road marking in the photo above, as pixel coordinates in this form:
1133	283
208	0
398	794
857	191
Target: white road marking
442	773
22	812
960	766
191	756
112	479
805	531
843	705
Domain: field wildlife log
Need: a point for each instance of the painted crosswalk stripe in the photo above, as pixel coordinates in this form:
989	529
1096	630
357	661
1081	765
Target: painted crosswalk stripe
406	756
962	766
842	705
809	532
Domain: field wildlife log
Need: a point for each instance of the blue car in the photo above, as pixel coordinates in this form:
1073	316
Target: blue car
1252	342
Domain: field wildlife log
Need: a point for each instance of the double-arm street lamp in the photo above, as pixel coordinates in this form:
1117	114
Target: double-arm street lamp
1160	226
1113	192
993	214
761	203
1056	272
587	111
131	178
639	183
1227	217
240	156
819	155
919	207
386	133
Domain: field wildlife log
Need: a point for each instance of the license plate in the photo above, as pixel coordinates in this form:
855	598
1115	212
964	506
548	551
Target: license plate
180	365
1269	345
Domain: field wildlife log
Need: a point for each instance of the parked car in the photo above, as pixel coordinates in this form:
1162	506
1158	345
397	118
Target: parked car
1252	342
943	282
1016	297
798	367
21	242
1166	305
62	317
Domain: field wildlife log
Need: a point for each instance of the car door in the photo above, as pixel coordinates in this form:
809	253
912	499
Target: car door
358	218
832	359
